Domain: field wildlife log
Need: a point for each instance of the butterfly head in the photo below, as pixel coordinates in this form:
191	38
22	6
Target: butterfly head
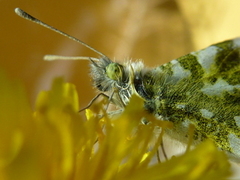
115	79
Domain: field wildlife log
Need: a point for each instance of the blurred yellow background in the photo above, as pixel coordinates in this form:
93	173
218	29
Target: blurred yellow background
153	30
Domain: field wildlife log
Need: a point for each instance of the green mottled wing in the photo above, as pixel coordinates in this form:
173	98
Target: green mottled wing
202	88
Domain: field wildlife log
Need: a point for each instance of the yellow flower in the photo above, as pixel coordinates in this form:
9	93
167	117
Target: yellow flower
56	142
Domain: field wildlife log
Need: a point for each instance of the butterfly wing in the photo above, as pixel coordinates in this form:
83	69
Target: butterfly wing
201	88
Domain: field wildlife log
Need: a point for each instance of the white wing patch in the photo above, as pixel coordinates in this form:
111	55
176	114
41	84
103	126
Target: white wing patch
179	71
219	87
237	120
206	57
206	114
234	142
236	42
180	106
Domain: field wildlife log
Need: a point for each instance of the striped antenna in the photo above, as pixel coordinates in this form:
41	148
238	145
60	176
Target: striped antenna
27	16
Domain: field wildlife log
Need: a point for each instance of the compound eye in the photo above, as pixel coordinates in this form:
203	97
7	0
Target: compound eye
114	71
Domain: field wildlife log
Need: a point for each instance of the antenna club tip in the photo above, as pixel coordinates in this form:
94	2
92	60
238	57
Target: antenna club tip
17	10
27	16
47	58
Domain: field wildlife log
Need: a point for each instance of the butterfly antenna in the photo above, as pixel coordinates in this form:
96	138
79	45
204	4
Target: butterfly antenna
27	16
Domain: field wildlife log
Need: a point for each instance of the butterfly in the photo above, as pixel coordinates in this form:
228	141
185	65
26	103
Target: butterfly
201	88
